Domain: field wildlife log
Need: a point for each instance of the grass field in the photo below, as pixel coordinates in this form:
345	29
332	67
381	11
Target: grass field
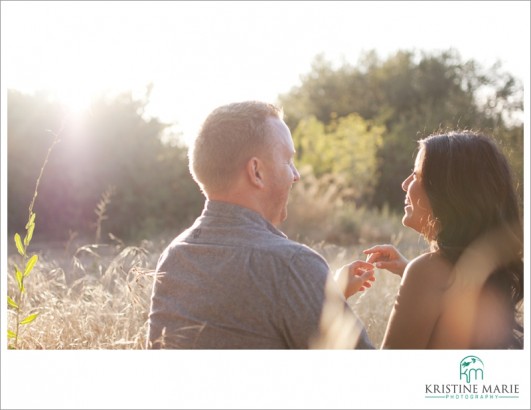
90	296
97	296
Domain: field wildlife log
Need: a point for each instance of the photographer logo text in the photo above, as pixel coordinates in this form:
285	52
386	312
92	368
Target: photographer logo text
471	385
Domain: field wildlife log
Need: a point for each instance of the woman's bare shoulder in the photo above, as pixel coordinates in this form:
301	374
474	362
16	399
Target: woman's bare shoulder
429	268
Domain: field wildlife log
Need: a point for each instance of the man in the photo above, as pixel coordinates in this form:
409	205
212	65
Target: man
233	280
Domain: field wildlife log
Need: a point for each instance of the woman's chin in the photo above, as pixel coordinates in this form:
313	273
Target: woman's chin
405	220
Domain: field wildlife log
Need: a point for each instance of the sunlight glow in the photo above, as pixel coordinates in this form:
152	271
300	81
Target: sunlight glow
200	57
76	101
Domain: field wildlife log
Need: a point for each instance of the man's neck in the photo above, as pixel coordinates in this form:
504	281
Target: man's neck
240	198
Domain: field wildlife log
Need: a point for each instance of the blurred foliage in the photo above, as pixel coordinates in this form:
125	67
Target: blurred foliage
321	210
112	145
323	148
409	95
354	127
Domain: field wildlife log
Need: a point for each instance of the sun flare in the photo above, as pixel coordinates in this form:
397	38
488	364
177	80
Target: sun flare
76	101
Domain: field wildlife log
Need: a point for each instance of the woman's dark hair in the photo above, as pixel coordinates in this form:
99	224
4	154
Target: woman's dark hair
470	186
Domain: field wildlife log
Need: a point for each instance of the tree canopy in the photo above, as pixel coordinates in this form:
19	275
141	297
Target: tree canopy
407	96
356	125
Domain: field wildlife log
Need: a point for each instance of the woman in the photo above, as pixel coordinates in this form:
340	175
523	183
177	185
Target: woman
466	291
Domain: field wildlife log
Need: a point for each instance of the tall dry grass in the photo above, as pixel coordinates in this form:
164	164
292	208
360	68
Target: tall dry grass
96	296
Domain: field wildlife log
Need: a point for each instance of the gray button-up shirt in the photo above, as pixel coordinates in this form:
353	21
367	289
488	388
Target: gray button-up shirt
232	280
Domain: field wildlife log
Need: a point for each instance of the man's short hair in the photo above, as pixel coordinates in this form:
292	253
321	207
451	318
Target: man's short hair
228	138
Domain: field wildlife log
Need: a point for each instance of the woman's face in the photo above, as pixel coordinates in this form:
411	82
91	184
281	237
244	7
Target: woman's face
417	210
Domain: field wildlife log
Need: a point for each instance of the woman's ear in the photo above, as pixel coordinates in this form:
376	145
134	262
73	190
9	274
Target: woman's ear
255	172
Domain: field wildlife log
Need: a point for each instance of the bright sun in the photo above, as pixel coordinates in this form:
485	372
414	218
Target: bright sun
75	100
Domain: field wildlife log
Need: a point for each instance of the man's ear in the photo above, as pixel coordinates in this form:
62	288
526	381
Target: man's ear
255	172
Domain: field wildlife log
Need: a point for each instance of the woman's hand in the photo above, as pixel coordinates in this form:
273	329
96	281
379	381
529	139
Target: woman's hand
354	277
386	257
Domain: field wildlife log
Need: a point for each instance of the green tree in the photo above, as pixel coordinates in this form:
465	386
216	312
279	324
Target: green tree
346	148
410	94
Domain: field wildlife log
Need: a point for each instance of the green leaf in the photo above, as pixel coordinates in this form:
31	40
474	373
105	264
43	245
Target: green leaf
29	235
11	334
18	242
20	280
12	303
29	319
31	263
31	220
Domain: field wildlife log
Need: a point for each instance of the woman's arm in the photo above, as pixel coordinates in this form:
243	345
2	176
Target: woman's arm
418	304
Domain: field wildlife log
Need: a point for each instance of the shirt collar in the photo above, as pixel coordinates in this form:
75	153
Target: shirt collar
238	212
